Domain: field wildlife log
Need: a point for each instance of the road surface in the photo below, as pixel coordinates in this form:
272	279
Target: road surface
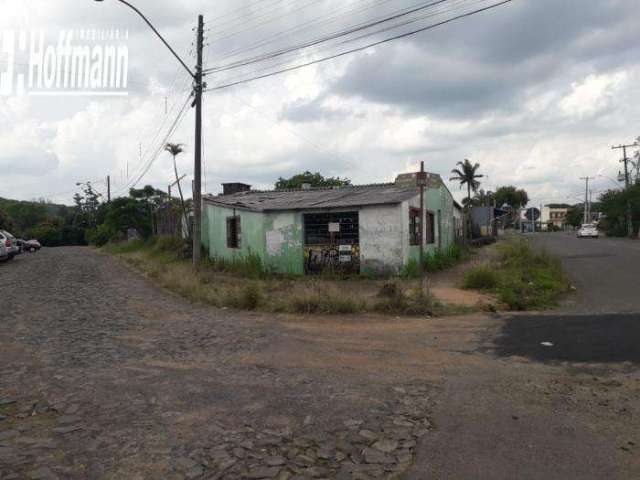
103	375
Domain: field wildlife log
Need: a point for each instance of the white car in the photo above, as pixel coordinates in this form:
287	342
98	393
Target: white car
11	243
588	230
4	250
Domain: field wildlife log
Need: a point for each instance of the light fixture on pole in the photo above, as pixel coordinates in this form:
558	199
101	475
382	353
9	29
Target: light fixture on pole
198	86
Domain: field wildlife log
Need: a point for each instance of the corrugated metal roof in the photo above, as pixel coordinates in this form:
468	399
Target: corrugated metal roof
354	196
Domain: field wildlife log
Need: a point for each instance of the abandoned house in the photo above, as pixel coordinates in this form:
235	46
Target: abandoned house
369	228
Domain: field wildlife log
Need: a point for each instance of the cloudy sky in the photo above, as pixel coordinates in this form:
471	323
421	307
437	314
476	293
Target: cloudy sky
536	91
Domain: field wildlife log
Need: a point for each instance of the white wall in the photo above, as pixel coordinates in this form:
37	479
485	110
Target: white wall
382	237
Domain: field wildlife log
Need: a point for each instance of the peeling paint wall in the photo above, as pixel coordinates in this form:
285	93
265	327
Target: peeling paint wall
439	202
284	244
252	240
381	234
278	238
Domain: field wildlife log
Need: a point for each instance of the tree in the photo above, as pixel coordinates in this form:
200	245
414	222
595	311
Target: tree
613	205
87	204
481	199
467	175
316	180
6	223
511	196
176	149
574	216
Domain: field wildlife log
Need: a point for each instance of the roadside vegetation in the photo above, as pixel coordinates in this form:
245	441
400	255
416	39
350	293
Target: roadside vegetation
521	277
245	284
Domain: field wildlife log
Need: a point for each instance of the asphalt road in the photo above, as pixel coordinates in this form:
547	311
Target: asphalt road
604	271
563	409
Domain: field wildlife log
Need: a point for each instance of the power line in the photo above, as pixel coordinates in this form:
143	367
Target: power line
303	26
327	38
373	44
368	34
159	148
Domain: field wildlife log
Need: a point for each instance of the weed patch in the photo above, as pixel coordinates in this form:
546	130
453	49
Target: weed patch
523	278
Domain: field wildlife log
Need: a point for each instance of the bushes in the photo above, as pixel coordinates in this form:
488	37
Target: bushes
393	299
481	278
329	302
522	278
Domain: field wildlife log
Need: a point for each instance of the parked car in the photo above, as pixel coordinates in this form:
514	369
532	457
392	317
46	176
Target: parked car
4	250
11	244
32	245
588	230
20	243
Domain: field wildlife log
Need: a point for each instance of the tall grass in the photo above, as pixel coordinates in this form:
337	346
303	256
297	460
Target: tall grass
523	278
435	261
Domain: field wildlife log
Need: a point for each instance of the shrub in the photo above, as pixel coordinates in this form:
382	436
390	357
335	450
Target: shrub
523	278
330	302
100	236
481	278
250	296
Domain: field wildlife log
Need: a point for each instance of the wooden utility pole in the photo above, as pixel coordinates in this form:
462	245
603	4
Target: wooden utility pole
626	183
108	188
421	180
197	167
586	198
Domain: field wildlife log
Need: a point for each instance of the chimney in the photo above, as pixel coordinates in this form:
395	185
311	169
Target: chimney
234	187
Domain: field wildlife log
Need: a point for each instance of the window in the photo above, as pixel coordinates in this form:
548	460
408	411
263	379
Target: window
331	228
415	232
431	228
233	232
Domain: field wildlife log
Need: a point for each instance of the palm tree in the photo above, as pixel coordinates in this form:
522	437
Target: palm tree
466	174
176	149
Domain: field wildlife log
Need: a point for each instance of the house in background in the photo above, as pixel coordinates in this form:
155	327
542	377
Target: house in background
369	228
554	214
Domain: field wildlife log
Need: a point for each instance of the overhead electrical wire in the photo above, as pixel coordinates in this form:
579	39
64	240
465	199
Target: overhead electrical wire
145	167
423	16
336	14
254	26
361	48
327	38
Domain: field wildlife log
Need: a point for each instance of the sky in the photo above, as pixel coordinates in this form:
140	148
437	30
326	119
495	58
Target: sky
535	91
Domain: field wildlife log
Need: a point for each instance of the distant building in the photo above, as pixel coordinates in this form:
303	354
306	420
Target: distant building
555	214
368	228
487	221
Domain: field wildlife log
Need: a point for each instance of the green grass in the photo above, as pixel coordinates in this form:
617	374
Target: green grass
394	299
435	261
522	278
246	284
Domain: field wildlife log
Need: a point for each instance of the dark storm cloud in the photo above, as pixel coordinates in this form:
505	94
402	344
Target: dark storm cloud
490	62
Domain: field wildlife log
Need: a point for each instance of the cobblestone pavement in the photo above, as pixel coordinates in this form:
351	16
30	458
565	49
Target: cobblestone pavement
105	376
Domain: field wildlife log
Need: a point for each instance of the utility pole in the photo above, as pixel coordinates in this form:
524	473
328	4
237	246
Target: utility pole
586	196
197	168
421	180
109	188
626	183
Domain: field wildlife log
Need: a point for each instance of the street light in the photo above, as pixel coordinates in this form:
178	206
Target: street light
612	180
198	87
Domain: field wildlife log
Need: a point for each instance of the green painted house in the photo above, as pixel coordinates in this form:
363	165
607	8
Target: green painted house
368	228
